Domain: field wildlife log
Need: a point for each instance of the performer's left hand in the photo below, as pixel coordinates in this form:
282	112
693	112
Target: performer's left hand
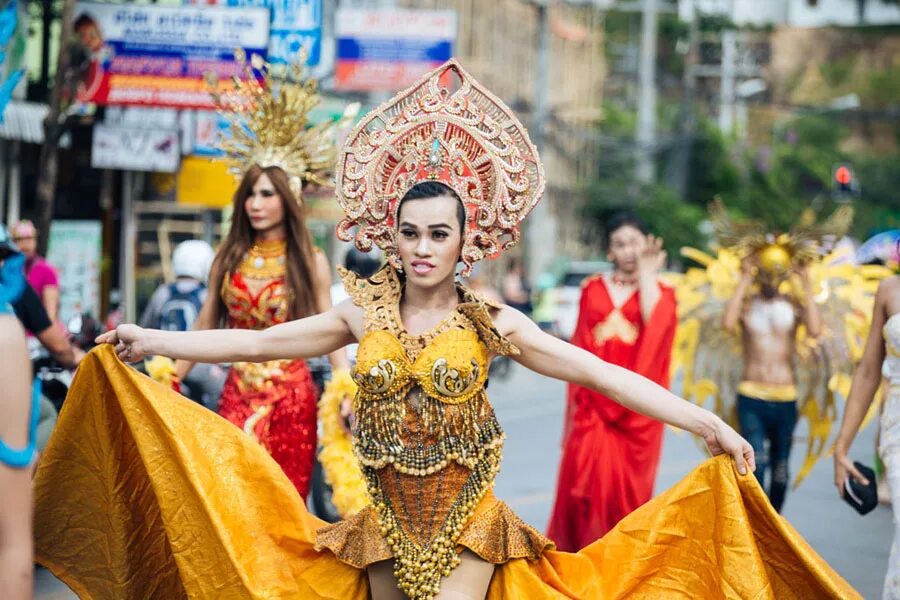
652	258
723	439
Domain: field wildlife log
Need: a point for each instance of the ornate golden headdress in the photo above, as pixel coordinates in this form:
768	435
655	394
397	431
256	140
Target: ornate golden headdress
467	139
269	118
777	253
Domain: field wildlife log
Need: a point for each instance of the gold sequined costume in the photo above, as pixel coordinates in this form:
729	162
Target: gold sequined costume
429	443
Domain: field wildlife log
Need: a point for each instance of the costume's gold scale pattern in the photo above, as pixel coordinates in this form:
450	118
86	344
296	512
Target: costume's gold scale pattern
426	436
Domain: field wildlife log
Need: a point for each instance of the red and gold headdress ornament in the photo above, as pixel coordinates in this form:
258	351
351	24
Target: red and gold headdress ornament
465	138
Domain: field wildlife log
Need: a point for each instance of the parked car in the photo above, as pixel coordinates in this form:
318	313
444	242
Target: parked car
568	292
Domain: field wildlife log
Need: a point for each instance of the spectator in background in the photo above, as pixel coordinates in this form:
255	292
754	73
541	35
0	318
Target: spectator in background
41	275
176	306
516	291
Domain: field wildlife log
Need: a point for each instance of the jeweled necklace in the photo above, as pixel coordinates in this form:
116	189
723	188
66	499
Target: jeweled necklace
265	260
622	281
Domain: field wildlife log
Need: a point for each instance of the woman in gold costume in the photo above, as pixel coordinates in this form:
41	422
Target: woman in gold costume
267	271
437	176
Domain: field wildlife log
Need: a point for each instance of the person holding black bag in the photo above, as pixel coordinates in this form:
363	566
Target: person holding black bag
855	482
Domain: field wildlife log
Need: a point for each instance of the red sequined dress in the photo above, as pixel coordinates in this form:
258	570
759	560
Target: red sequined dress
275	401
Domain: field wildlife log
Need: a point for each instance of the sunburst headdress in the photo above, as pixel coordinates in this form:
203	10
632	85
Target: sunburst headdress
777	253
465	138
269	122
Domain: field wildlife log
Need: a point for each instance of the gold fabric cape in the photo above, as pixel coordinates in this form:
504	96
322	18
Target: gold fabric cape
144	494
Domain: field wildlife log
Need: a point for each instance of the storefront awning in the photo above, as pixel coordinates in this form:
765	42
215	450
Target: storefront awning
24	122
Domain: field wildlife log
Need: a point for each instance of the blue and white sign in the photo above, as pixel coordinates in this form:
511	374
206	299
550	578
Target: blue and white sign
295	24
389	49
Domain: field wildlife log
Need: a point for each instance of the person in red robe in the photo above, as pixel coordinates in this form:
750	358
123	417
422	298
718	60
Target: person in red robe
610	453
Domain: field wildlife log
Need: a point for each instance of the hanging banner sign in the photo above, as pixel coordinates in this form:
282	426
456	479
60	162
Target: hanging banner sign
390	49
130	149
151	55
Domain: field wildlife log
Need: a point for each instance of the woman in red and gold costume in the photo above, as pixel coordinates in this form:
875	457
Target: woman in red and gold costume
267	272
443	173
610	453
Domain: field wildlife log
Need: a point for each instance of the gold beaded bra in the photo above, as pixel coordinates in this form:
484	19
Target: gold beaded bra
426	436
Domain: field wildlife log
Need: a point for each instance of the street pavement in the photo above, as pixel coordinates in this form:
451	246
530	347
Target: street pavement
531	408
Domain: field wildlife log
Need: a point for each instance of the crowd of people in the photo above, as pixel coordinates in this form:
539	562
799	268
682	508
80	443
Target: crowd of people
437	179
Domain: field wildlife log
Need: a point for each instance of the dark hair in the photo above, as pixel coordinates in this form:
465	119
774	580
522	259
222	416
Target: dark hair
434	189
623	218
300	254
83	20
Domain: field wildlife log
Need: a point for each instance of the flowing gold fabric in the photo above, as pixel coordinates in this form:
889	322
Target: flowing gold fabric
143	494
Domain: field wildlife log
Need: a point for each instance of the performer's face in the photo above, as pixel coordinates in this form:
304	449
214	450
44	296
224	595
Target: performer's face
264	206
625	245
429	239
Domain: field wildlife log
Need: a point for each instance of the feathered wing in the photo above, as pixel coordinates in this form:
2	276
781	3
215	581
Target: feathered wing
844	294
708	361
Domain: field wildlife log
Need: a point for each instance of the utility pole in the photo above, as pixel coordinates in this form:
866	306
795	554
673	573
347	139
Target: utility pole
541	232
646	119
677	168
727	83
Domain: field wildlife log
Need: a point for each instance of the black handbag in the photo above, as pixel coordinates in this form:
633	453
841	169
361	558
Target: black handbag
862	497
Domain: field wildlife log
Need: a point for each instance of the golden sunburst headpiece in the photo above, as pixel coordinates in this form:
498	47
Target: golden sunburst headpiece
269	119
777	253
463	137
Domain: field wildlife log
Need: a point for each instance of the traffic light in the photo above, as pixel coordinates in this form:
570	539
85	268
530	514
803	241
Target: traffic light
843	181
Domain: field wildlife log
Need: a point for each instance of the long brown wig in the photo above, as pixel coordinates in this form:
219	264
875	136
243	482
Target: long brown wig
300	254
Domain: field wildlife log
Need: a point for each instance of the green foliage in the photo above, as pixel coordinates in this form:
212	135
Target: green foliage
774	183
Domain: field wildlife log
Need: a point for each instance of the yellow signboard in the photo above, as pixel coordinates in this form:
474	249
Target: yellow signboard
205	182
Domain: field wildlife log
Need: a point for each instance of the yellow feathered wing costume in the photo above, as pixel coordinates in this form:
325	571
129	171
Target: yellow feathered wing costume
708	362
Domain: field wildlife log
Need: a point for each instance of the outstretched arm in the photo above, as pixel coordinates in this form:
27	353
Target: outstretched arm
313	336
553	357
338	359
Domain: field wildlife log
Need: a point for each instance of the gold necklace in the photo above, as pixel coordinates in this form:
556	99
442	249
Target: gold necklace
265	260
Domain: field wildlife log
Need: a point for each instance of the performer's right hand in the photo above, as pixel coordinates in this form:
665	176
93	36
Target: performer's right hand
128	340
844	468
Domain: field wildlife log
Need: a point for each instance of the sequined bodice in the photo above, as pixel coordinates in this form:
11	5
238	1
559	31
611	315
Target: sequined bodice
892	349
263	267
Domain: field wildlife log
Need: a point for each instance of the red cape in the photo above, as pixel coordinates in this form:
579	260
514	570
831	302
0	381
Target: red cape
610	453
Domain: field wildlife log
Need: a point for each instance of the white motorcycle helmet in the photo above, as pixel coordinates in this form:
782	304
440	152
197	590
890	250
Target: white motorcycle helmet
193	258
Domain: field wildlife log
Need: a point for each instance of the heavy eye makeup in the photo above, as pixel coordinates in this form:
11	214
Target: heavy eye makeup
438	233
262	193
